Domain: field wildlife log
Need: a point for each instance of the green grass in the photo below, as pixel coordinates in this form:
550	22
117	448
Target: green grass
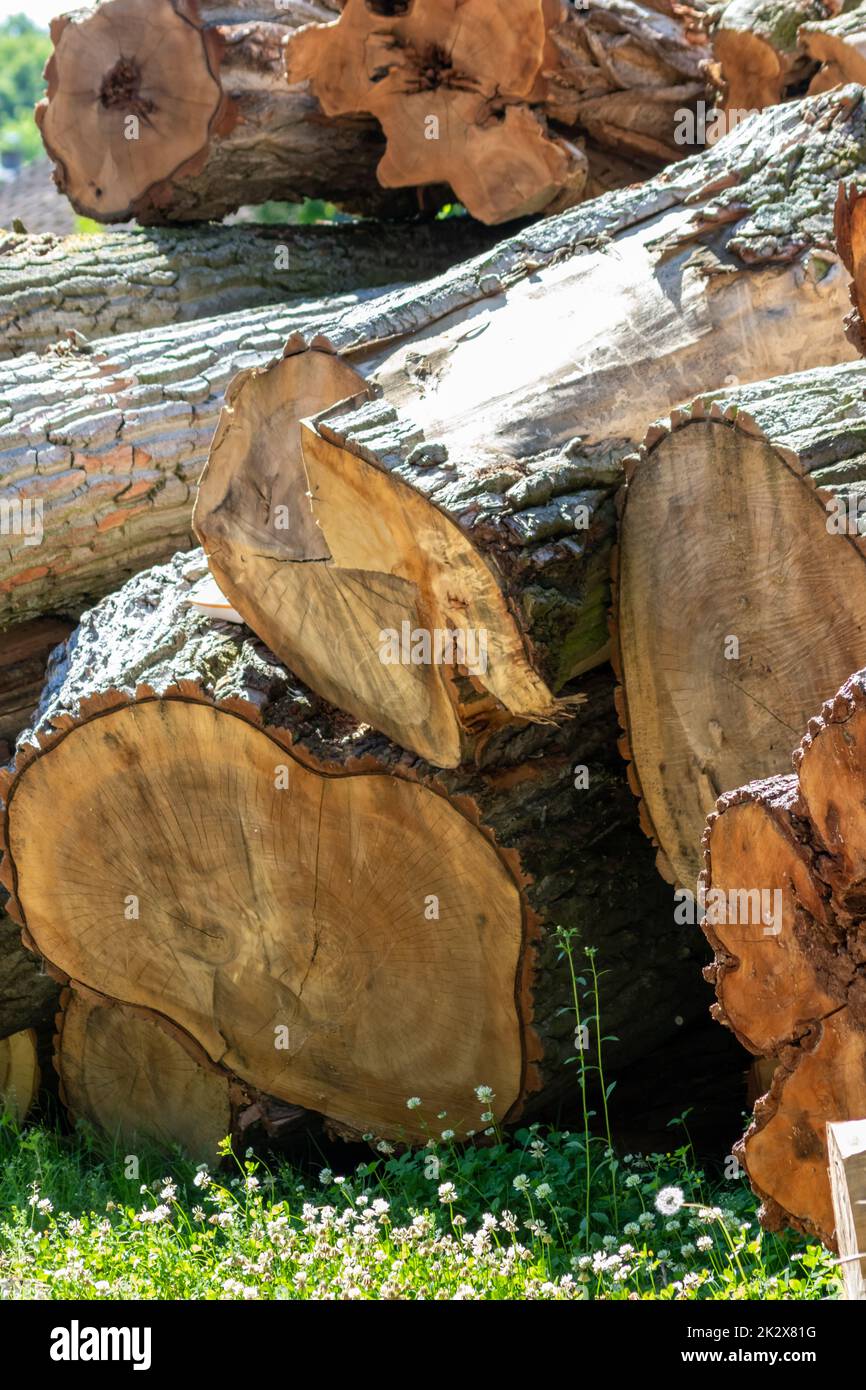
505	1220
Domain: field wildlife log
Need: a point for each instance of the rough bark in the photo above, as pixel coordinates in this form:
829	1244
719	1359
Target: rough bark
312	907
179	110
796	992
128	281
757	59
757	492
472	488
507	88
110	437
19	1074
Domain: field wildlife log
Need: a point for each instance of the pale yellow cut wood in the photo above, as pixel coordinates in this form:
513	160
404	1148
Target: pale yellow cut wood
277	914
129	1077
19	1073
722	542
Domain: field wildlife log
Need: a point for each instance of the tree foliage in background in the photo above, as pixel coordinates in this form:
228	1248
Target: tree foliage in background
24	51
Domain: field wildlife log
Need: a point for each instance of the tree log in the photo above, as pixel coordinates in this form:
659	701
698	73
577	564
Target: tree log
125	282
134	1077
464	91
714	690
337	923
796	991
472	491
757	59
19	1074
179	110
839	45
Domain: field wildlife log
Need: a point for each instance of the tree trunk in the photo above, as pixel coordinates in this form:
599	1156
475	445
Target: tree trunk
179	110
19	1074
472	491
478	118
335	922
757	59
125	282
794	990
757	493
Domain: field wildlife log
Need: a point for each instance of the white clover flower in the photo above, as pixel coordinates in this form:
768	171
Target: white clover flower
625	1250
484	1093
521	1183
646	1218
608	1242
251	1183
325	1177
384	1147
663	1254
447	1193
687	1250
447	1134
669	1200
631	1229
45	1205
704	1242
633	1180
413	1102
380	1206
202	1178
543	1191
672	1227
486	1116
339	1180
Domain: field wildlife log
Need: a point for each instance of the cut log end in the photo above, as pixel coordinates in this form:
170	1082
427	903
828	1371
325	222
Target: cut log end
19	1074
310	980
352	577
716	694
131	1078
786	901
132	98
449	84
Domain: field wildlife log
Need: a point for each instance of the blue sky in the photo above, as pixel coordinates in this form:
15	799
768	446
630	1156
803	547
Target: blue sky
40	11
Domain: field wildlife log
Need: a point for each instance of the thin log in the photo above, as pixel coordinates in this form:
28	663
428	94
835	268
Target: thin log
468	487
415	952
54	289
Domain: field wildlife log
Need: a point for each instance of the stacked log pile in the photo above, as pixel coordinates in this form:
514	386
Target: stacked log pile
298	868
